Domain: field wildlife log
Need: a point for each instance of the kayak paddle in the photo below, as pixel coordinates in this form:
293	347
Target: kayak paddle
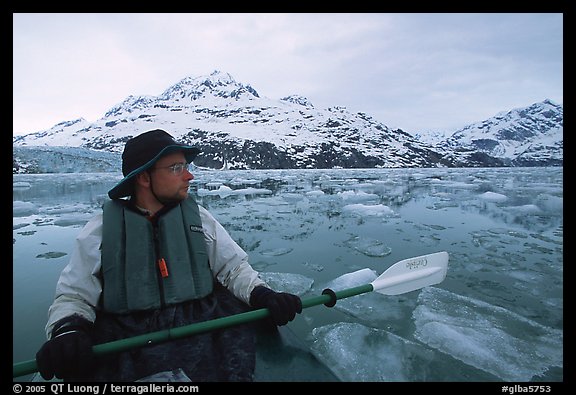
402	277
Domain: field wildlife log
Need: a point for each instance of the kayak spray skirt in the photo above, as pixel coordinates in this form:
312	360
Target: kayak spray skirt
222	355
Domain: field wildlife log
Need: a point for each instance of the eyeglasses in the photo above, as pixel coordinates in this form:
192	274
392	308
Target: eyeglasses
177	168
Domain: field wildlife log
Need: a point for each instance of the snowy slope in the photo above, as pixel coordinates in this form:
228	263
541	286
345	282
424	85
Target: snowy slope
237	128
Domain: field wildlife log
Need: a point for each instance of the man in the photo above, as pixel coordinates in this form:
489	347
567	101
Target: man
155	261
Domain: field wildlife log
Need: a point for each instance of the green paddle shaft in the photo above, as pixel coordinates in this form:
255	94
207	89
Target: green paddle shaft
27	367
402	277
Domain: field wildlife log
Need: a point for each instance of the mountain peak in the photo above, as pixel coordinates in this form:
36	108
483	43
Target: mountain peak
522	133
215	85
221	76
297	99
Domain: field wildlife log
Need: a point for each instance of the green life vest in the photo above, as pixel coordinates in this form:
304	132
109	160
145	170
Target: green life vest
146	268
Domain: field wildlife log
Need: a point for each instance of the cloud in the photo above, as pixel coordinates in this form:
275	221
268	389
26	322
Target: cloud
410	71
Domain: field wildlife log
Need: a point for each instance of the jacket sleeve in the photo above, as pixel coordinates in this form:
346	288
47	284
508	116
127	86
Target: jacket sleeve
228	261
79	287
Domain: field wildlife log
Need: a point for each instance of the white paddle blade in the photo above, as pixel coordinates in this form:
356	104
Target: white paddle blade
412	274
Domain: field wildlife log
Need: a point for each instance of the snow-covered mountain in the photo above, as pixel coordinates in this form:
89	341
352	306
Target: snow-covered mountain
530	136
236	128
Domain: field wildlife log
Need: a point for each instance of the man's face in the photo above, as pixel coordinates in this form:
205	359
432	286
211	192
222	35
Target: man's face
168	180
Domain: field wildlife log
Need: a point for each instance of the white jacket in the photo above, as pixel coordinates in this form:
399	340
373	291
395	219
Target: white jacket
79	287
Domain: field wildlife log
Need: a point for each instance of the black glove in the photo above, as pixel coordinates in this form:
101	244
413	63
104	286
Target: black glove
68	353
283	306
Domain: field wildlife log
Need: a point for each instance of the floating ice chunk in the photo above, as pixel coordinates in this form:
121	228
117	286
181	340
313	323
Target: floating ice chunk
368	246
552	204
355	196
52	255
261	265
296	284
23	209
315	193
65	209
253	191
276	251
493	196
244	181
355	352
21	185
378	210
349	280
485	336
21	225
313	266
224	191
73	219
526	209
453	184
292	197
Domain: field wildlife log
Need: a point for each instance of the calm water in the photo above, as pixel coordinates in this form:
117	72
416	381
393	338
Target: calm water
498	316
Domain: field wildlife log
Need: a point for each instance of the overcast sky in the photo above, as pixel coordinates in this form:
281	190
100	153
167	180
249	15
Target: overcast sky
418	72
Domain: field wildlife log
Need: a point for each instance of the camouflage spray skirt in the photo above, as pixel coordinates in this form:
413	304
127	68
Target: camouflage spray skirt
222	355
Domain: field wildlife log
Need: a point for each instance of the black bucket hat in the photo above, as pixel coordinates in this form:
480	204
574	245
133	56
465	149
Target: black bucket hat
141	152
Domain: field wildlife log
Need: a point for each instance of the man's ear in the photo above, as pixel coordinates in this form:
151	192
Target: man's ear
143	179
